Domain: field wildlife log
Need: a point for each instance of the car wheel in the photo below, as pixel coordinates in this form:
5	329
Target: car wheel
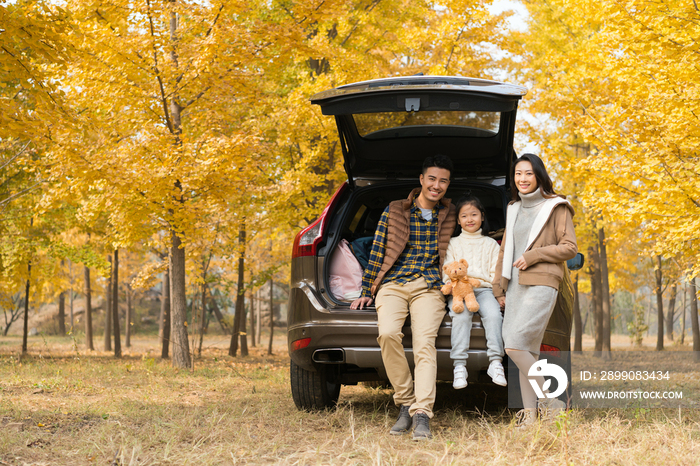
312	390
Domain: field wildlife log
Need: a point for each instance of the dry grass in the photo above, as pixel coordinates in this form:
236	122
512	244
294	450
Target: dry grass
62	407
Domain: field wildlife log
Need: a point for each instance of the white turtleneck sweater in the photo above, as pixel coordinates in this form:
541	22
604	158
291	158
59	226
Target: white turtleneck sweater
481	252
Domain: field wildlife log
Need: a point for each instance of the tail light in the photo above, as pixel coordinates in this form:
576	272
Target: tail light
307	241
550	349
300	344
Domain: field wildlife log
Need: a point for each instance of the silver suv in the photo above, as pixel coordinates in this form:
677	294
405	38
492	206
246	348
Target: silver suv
386	128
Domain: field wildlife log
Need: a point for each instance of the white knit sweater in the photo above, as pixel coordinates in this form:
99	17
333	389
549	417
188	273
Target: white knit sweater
481	252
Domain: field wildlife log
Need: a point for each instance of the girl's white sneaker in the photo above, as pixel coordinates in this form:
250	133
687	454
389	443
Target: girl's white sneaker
460	377
549	408
497	373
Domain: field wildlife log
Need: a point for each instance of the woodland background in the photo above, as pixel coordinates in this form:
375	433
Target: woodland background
163	154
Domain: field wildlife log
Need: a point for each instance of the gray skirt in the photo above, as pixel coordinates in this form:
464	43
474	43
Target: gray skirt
528	309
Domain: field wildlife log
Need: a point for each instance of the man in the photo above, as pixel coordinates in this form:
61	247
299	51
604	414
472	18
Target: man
404	274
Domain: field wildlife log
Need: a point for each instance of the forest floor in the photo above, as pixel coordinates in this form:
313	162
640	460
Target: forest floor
61	405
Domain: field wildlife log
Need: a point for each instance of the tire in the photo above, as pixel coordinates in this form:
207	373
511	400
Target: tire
311	391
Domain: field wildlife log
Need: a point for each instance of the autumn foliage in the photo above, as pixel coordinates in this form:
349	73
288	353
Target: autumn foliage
167	128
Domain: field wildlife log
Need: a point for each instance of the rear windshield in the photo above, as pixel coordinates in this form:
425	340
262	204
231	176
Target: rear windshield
427	123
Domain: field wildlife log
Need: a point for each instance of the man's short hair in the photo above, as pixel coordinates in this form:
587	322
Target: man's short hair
440	161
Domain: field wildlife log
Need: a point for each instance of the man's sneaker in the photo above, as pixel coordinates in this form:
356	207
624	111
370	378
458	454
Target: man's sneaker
497	373
421	427
550	407
403	423
460	378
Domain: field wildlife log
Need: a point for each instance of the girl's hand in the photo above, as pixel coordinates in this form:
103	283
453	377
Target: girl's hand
520	264
360	303
502	301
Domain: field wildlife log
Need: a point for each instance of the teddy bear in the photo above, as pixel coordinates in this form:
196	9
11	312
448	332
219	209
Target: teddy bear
461	286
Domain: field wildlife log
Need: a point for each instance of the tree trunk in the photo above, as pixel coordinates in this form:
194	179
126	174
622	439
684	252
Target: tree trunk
670	312
178	305
244	328
193	313
694	319
25	331
161	316
204	315
683	312
62	307
108	309
240	305
217	312
233	346
127	320
272	317
88	311
115	305
597	300
659	305
72	294
251	306
605	294
648	319
578	329
165	313
15	314
258	313
62	313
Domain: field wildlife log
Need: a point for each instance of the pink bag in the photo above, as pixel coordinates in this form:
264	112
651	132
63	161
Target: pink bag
346	273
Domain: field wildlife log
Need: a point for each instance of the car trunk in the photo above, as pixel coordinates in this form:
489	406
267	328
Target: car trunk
388	126
356	219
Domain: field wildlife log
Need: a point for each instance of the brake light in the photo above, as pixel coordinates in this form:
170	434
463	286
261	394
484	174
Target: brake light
551	349
307	241
299	344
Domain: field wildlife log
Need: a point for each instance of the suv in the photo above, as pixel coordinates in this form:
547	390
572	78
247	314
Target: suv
386	128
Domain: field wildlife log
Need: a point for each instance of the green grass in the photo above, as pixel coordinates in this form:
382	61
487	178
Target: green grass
62	407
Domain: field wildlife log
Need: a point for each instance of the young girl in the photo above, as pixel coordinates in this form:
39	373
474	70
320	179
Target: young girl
539	238
481	252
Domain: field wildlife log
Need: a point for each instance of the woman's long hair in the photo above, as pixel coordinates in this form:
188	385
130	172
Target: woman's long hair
544	182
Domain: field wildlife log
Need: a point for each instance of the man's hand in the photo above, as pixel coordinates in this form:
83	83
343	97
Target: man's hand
502	301
520	264
360	303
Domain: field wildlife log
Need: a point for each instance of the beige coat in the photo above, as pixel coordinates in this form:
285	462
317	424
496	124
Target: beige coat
547	255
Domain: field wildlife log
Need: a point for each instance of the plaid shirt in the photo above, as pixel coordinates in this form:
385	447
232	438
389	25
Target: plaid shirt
419	258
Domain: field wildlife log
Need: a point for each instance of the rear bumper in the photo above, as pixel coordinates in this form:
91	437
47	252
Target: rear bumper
352	347
344	341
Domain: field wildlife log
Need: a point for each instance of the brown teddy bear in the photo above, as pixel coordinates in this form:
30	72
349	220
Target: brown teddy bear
461	287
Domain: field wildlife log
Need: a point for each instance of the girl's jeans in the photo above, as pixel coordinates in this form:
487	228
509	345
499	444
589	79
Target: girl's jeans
491	319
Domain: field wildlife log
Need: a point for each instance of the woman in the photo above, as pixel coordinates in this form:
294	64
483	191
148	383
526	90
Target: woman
538	240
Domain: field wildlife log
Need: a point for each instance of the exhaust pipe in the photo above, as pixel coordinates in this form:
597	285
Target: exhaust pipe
329	356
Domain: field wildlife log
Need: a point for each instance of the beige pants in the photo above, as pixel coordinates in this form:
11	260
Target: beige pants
427	309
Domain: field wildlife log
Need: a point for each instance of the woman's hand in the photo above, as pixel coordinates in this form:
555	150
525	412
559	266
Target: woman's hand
502	301
520	264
